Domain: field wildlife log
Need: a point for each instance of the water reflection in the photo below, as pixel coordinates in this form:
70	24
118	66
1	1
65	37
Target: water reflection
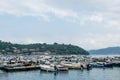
53	75
94	74
4	75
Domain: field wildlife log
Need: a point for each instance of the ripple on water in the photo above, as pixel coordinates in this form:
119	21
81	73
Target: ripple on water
94	74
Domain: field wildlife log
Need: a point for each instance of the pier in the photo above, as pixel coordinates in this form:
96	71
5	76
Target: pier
22	68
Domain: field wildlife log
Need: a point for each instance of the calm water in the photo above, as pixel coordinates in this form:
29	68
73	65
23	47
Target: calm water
94	74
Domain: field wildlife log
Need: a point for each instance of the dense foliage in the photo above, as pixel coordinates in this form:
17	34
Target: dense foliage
9	48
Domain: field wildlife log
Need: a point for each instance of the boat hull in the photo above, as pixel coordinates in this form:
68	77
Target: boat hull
47	68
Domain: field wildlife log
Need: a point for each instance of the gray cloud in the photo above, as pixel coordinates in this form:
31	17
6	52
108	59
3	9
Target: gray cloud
91	14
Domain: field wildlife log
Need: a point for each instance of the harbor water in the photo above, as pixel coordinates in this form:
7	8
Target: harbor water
93	74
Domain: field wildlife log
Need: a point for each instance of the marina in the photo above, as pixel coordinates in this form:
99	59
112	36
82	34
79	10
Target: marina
50	63
59	67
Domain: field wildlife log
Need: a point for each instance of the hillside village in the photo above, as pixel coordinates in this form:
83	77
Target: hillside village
9	48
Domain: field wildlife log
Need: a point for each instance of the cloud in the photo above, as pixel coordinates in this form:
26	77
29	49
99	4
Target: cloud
36	8
19	40
74	10
113	24
94	42
92	14
30	40
96	18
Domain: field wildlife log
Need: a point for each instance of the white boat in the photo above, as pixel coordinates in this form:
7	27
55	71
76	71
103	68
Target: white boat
47	68
14	65
61	68
3	65
71	65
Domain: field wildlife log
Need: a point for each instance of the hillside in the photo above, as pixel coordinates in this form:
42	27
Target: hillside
10	48
105	51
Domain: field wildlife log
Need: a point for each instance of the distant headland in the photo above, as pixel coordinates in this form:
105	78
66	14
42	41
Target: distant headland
106	51
37	48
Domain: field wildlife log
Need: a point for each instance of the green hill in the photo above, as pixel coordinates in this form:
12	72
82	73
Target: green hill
10	48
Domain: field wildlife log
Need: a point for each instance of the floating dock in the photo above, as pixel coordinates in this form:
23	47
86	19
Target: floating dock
22	68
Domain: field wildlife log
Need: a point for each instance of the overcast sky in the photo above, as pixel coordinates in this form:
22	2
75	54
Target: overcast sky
90	24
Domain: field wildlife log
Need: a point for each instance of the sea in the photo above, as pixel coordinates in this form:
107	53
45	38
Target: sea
93	74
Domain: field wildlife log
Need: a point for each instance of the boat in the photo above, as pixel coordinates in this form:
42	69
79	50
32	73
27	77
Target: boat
71	65
2	65
108	64
96	64
116	63
47	68
14	65
61	68
101	64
